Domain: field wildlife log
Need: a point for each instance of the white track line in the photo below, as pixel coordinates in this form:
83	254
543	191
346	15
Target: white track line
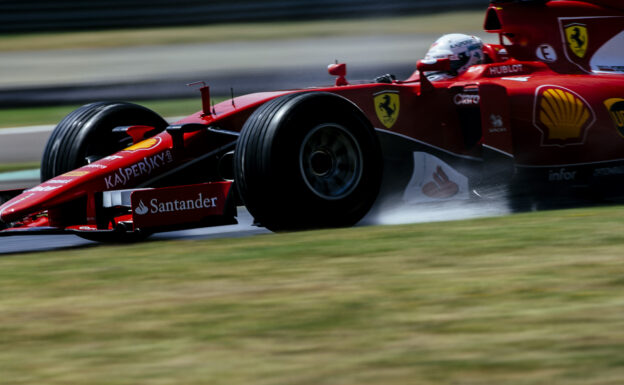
50	127
26	130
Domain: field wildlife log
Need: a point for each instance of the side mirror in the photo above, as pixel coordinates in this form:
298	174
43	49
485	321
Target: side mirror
431	65
434	65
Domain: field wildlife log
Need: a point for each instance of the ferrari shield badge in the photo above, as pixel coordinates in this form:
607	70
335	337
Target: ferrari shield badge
577	38
387	107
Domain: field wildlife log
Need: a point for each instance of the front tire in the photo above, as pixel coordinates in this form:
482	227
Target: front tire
86	134
308	160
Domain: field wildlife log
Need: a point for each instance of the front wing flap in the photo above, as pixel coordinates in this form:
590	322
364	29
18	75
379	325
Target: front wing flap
146	210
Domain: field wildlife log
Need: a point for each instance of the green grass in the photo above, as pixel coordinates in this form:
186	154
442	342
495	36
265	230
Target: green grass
18	166
429	24
28	116
525	299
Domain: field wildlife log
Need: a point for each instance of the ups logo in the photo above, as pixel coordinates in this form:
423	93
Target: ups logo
616	111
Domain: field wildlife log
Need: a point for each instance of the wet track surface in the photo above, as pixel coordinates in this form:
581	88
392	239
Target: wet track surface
403	214
19	244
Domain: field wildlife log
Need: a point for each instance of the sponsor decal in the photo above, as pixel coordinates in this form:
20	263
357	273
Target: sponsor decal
466	99
95	165
497	125
518	78
577	38
75	173
387	105
113	157
160	207
433	180
181	204
506	69
615	106
561	175
562	116
122	176
43	188
546	53
58	181
143	145
441	186
607	171
463	44
141	209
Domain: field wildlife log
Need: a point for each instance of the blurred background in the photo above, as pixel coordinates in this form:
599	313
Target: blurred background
68	15
80	66
56	56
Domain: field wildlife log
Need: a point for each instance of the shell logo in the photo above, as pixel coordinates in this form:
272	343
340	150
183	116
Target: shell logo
144	144
562	116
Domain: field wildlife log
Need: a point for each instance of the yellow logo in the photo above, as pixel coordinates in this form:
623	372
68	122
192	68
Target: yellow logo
144	145
576	36
562	116
76	173
616	111
387	107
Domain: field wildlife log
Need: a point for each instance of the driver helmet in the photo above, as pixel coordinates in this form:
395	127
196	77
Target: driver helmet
463	51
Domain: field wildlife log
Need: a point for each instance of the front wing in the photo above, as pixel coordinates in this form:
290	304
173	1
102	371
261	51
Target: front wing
145	210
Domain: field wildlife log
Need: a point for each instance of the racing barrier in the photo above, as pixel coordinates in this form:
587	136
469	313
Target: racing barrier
44	15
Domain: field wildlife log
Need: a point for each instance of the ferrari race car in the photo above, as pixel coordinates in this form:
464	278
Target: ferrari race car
543	115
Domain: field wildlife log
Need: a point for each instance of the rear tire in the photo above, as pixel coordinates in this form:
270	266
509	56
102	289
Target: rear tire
308	160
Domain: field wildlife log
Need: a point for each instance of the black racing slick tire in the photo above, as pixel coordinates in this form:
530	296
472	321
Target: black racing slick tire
308	160
86	134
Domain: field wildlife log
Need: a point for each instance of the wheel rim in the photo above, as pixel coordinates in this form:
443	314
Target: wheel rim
330	160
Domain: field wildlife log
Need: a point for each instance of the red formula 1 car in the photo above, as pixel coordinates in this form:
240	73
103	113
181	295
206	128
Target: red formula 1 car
544	115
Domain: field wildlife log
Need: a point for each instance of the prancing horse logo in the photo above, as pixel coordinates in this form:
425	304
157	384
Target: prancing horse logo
387	107
577	38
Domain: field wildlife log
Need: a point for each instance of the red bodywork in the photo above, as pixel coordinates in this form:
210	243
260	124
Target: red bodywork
546	111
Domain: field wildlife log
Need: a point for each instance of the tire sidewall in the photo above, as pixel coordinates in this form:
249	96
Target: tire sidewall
96	136
88	131
285	201
286	155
